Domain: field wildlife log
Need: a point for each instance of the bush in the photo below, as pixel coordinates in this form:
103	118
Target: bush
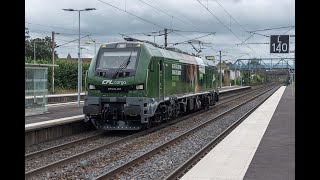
66	75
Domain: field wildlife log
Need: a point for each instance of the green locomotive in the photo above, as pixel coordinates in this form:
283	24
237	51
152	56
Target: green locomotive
135	84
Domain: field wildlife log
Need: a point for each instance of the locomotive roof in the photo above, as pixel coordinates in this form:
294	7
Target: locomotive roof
181	57
169	54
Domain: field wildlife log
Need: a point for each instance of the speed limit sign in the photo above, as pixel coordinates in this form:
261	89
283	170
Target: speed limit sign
279	44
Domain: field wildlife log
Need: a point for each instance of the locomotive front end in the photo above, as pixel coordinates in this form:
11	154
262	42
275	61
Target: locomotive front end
116	88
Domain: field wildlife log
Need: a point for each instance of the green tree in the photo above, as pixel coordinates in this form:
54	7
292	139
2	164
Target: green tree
26	37
27	43
245	77
43	47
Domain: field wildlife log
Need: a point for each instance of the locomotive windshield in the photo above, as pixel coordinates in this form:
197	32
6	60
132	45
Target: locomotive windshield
115	59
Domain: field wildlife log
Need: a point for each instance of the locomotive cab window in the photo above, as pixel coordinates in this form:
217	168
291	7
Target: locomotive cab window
117	59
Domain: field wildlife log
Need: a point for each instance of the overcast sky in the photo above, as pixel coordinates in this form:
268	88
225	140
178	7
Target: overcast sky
104	24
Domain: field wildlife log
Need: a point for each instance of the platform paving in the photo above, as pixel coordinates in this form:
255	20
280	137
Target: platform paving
275	156
261	147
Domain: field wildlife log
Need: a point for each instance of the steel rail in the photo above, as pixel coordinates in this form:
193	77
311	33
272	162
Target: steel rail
242	91
125	166
241	94
60	146
183	168
109	145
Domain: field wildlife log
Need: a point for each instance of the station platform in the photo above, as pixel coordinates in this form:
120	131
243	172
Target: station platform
69	112
57	95
58	98
261	147
225	89
56	111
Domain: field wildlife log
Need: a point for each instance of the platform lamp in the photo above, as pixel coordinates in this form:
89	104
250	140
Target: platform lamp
79	65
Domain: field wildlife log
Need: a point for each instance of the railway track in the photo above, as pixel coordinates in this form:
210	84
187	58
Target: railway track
225	99
75	142
49	150
47	167
64	145
116	172
58	148
188	164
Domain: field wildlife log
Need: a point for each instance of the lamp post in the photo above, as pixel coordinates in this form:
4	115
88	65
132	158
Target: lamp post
34	51
34	76
79	66
220	72
53	46
221	68
294	66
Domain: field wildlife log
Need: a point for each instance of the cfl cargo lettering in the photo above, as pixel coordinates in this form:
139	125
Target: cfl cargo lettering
115	82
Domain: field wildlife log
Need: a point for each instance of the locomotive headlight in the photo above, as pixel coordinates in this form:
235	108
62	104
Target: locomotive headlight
91	87
140	86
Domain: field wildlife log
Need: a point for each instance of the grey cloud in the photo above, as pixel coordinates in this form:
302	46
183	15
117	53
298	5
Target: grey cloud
106	22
